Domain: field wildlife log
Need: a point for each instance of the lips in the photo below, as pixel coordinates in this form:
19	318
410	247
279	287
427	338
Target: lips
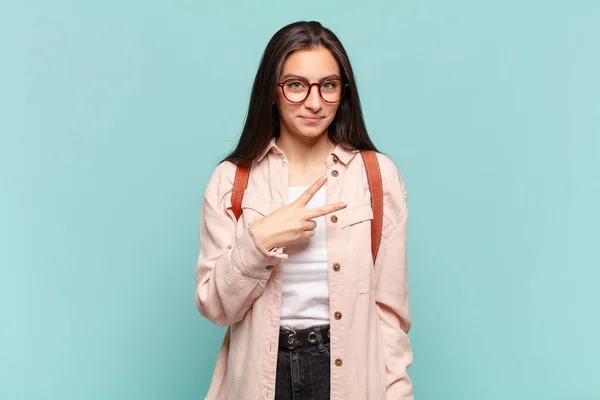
311	120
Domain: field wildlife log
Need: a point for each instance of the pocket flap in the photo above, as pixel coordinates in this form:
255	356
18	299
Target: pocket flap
356	214
255	203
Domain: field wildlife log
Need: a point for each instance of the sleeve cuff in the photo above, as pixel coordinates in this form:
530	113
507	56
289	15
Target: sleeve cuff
252	258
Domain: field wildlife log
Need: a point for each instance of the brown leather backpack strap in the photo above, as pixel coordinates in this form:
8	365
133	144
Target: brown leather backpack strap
376	188
240	182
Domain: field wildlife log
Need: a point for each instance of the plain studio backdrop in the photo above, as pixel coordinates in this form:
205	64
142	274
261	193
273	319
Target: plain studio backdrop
113	114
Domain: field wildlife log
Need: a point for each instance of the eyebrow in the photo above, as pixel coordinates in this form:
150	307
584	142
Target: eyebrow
288	76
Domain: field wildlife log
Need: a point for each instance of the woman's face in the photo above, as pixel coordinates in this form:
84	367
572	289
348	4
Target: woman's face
310	118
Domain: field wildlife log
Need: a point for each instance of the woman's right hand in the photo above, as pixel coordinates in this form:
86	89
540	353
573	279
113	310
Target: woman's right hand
294	221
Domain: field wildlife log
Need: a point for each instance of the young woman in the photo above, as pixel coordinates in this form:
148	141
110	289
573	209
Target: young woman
310	315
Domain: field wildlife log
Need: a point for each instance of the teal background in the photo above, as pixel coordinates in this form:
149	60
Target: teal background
113	115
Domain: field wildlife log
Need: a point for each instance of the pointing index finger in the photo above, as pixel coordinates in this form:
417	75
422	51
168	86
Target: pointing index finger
311	191
321	211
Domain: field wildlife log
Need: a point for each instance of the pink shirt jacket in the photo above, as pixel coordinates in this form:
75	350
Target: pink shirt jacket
239	281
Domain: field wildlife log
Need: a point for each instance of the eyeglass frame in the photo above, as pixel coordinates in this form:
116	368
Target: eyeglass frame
310	85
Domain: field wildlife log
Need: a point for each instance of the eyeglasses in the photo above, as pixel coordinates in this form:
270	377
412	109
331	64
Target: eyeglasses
297	90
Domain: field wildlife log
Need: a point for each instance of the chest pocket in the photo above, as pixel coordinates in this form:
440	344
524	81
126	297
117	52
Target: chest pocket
254	207
356	215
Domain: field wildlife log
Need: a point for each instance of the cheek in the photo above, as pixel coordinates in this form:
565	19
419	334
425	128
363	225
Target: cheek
286	110
333	111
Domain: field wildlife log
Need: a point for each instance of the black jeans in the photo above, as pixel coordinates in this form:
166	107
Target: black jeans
303	372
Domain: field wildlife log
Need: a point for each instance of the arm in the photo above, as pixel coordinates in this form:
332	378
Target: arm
231	273
391	294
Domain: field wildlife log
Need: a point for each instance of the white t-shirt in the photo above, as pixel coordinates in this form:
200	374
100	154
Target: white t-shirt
305	301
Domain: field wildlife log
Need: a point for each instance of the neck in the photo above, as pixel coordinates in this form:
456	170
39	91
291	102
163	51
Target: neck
305	152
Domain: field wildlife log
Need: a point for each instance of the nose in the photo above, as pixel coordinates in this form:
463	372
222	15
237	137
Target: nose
314	101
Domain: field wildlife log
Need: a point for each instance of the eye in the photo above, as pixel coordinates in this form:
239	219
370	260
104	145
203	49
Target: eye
296	85
329	85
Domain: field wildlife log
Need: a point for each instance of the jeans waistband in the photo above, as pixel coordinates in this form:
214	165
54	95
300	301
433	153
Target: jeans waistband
291	338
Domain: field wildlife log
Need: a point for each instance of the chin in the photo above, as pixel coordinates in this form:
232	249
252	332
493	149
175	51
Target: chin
310	132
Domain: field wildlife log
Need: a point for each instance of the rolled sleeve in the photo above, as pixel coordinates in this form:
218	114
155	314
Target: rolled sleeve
252	259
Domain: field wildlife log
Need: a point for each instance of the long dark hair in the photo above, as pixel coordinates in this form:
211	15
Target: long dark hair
262	121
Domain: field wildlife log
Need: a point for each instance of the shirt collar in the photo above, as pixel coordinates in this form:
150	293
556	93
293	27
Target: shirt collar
267	149
343	154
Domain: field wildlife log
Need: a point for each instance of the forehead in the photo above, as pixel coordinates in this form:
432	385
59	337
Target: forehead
311	63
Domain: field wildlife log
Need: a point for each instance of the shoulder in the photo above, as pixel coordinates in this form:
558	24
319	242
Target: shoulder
393	183
221	180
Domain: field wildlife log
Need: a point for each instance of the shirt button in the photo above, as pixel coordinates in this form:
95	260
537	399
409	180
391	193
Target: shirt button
337	315
338	362
269	267
336	267
334	173
334	219
335	159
